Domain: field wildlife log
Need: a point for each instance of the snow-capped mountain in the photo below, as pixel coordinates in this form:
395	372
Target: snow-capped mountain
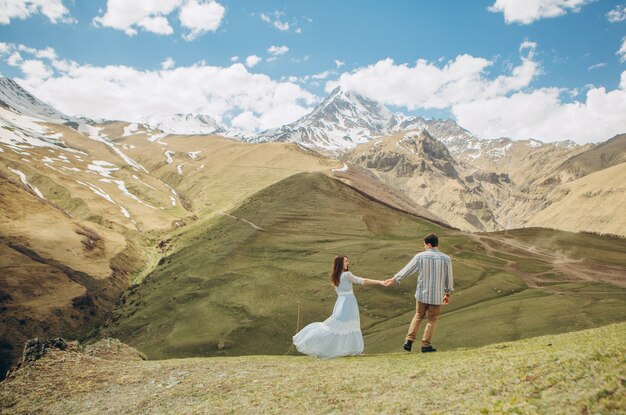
341	121
19	100
184	124
345	119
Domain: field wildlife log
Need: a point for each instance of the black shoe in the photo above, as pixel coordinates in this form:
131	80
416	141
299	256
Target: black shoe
427	349
407	345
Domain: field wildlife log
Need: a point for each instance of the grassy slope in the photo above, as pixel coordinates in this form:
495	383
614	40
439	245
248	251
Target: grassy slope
581	372
235	290
53	280
592	203
225	171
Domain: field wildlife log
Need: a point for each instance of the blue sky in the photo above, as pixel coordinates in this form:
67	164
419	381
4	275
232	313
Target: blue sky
549	52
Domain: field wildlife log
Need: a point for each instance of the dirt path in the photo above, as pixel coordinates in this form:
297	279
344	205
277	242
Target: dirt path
571	269
255	226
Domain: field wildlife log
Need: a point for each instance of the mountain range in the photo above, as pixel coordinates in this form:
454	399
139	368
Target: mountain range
491	184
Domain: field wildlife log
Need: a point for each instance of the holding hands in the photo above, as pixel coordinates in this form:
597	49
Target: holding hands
385	283
388	282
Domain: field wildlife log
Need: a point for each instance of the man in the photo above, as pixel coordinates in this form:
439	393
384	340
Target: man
434	286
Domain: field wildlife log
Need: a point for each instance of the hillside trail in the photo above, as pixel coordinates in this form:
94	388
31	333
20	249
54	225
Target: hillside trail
569	269
254	225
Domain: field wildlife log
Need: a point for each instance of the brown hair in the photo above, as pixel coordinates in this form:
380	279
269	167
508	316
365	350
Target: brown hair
335	275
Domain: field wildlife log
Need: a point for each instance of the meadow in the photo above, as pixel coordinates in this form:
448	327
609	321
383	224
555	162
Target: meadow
244	283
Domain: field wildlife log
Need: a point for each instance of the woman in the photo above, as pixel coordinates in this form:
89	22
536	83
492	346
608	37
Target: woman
340	334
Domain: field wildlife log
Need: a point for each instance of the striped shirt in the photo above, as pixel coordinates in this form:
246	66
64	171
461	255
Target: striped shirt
435	275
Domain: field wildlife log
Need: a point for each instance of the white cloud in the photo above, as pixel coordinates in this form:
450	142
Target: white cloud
35	70
282	26
54	10
14	59
543	115
246	121
252	60
279	21
305	58
47	53
234	59
199	16
167	64
597	65
126	93
339	63
277	50
618	14
498	106
528	46
322	75
426	85
156	24
123	14
528	11
622	51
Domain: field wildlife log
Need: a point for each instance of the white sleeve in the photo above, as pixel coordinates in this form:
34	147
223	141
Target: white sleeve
354	279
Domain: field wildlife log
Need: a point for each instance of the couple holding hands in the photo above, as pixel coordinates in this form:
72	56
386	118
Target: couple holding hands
340	334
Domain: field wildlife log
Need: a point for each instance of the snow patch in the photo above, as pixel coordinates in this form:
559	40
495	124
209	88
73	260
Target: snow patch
156	137
94	133
193	154
344	168
130	129
22	177
103	168
20	131
122	186
98	191
168	156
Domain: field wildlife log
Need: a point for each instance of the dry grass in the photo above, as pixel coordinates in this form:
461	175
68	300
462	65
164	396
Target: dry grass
581	372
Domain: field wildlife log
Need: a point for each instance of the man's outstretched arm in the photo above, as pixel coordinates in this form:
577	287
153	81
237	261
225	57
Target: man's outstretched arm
410	268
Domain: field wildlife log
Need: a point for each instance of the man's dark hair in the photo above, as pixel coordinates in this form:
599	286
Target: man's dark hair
431	239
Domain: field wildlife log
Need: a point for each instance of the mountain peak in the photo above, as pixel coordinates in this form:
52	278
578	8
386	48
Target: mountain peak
23	102
188	123
343	119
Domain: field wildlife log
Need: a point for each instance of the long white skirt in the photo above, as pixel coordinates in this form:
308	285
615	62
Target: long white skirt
339	335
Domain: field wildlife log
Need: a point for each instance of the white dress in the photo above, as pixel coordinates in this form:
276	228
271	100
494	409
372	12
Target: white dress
340	334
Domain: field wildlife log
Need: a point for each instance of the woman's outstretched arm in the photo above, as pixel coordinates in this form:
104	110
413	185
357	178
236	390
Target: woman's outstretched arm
367	281
363	281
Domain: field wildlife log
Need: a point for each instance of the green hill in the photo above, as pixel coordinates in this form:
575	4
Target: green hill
230	288
575	373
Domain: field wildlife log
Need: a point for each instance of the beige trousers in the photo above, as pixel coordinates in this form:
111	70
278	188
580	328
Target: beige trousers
420	314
